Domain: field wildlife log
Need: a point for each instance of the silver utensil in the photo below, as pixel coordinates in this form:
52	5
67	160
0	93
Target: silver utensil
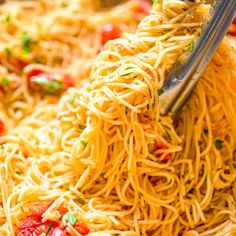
184	76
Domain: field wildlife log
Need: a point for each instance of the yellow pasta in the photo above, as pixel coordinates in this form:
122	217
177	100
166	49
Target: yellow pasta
106	155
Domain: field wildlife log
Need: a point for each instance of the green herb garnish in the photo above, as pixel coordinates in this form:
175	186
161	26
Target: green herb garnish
72	98
8	52
160	91
4	82
26	40
82	201
82	127
7	18
18	172
70	218
218	143
54	85
200	142
48	228
191	46
50	86
22	209
84	143
64	4
40	80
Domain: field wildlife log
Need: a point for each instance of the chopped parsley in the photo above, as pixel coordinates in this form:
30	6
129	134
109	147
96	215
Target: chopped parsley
191	46
82	127
22	209
72	98
8	52
82	201
48	228
4	82
7	19
160	91
18	172
128	74
200	142
54	85
70	218
64	4
25	40
50	86
155	1
40	80
218	143
83	142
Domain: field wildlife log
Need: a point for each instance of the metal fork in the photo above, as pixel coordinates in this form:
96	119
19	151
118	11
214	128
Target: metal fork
183	77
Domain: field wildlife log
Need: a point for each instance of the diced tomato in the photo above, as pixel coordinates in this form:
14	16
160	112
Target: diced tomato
33	225
62	210
168	156
232	29
30	221
145	7
83	230
109	32
2	129
34	72
50	83
69	82
39	209
39	228
57	230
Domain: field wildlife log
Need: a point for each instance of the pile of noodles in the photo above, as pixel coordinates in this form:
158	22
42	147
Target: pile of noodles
138	173
61	36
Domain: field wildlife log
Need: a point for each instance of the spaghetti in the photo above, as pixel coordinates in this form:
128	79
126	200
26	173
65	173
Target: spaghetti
62	36
104	162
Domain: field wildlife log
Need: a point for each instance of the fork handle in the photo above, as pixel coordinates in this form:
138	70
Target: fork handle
183	77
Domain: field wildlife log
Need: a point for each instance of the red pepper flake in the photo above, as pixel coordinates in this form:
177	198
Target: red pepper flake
162	146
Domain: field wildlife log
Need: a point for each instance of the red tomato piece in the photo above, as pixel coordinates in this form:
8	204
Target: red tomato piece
232	29
39	229
1	127
50	83
145	7
40	208
83	230
30	221
68	81
62	210
234	22
34	72
109	32
57	230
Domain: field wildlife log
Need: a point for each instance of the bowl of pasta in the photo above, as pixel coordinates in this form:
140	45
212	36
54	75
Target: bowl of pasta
84	149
